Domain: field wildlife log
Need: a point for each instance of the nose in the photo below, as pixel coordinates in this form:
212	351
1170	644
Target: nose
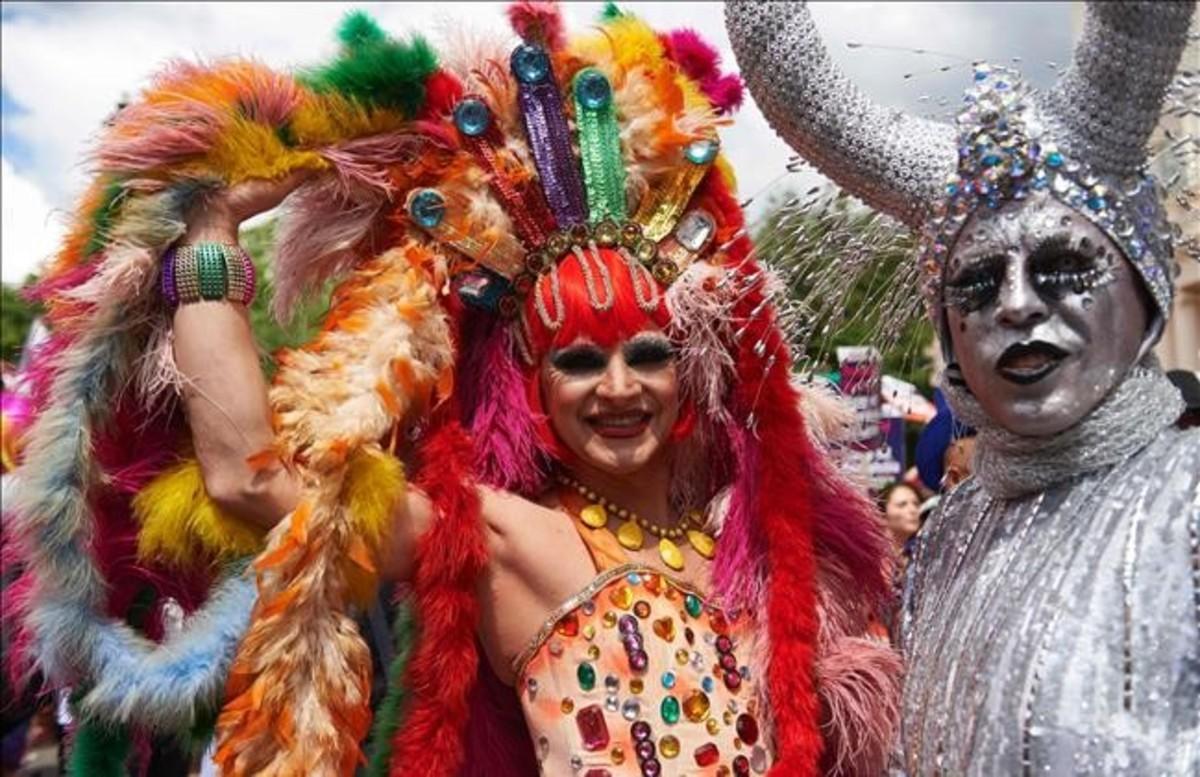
619	382
1019	305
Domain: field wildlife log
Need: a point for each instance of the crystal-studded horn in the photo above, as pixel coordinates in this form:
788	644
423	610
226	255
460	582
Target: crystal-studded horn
1105	106
894	162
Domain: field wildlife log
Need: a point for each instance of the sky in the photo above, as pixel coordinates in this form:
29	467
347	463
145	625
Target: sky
66	65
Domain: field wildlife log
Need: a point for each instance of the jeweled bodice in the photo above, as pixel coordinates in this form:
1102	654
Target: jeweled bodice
638	675
1059	633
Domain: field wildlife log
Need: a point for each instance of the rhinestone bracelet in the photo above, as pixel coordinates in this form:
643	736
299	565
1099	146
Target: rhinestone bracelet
207	271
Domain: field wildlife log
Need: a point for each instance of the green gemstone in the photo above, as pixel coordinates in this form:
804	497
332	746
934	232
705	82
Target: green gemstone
587	676
691	603
670	710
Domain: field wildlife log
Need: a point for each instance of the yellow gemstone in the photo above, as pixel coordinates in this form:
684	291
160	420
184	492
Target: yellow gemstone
728	718
668	746
618	755
681	656
567	706
609	619
595	516
704	544
712	726
630	535
593	652
636	686
589	632
695	706
671	555
622	597
642	609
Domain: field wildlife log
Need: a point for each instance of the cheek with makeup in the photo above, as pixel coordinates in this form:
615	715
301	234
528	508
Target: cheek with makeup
1045	316
613	409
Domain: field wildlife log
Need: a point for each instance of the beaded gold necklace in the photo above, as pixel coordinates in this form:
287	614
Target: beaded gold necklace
632	531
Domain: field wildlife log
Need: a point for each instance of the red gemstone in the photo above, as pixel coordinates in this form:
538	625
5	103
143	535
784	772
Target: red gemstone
707	754
747	729
741	766
733	681
724	644
568	626
592	727
718	623
728	662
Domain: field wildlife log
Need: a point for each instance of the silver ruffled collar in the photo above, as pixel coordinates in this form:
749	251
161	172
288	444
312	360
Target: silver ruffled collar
1010	465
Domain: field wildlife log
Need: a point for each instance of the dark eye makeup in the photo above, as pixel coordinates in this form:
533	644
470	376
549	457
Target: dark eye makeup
648	352
579	359
1057	267
976	285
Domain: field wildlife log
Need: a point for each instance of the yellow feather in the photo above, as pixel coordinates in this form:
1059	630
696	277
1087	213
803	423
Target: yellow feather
248	150
374	481
181	525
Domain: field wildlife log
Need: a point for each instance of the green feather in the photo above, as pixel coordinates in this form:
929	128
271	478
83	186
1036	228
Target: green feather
103	217
387	719
610	12
98	751
374	69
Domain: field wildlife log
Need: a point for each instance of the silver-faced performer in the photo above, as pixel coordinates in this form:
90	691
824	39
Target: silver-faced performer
1052	621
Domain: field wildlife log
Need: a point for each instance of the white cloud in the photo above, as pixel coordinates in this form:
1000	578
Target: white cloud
32	229
67	65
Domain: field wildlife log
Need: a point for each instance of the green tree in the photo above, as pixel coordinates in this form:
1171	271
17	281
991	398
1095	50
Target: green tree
259	242
16	316
850	280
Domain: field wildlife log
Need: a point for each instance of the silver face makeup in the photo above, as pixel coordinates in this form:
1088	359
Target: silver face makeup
1044	313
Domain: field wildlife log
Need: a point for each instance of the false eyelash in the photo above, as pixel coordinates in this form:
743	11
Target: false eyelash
974	287
648	351
578	359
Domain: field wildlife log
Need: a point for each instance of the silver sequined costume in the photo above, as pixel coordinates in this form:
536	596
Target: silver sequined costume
1056	629
1052	620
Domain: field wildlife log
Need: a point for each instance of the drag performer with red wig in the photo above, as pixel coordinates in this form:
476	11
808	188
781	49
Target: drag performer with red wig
625	554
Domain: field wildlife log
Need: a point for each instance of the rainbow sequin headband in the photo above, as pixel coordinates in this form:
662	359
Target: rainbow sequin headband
572	210
1005	152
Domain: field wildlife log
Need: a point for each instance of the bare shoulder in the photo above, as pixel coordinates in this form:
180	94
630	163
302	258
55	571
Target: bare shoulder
514	521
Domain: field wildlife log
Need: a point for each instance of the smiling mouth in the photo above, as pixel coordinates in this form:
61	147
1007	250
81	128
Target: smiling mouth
620	425
1026	363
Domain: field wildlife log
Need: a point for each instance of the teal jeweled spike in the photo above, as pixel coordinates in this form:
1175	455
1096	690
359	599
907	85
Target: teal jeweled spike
599	146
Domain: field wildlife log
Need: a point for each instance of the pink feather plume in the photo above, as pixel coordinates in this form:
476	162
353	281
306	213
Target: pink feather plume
538	22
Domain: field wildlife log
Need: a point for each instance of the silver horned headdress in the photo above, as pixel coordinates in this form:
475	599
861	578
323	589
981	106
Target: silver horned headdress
1084	141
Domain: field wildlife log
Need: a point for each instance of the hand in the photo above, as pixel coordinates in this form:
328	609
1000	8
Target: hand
216	217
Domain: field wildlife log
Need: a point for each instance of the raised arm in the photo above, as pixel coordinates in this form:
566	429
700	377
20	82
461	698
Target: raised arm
225	392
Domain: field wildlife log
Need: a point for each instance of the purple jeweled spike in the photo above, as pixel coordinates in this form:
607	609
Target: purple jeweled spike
548	134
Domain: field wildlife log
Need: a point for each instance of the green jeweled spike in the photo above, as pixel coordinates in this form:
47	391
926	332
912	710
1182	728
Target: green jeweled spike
599	147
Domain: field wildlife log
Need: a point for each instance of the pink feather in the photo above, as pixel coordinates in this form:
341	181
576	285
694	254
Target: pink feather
859	685
538	22
724	92
739	569
508	452
696	57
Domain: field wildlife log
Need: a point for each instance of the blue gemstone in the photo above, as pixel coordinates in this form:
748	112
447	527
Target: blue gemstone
1054	159
1096	203
668	679
951	189
472	117
701	152
592	89
991	160
708	684
427	208
530	64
